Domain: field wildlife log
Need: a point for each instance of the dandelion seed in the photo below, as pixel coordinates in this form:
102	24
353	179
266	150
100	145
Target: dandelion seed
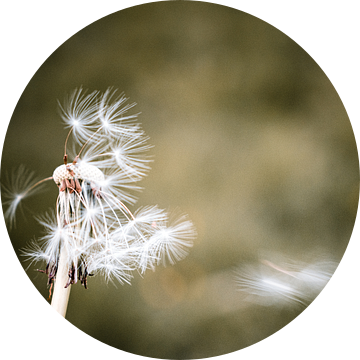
93	231
294	283
79	113
21	184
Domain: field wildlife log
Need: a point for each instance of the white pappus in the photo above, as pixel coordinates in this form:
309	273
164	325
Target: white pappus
92	229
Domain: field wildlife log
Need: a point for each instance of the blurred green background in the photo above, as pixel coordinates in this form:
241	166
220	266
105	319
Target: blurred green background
251	140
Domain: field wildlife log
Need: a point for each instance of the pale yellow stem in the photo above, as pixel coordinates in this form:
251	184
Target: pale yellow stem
61	294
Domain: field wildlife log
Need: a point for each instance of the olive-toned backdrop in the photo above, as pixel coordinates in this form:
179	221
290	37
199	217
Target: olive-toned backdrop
251	140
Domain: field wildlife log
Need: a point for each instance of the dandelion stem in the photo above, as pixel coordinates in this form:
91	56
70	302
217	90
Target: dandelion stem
61	294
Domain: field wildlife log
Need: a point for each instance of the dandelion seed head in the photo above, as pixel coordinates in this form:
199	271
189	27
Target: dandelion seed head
81	171
92	225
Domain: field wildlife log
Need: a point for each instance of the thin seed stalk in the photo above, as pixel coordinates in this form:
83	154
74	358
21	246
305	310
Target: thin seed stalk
61	294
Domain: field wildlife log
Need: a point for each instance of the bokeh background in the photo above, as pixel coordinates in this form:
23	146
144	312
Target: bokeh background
251	140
